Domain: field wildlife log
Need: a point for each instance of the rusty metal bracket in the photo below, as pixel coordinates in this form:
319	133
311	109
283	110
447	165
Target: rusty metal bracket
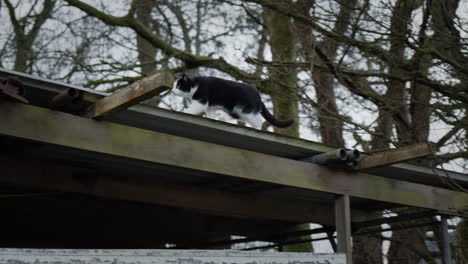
12	88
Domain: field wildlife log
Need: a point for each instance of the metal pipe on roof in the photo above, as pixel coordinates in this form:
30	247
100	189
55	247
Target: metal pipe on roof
65	98
352	158
353	164
353	154
338	158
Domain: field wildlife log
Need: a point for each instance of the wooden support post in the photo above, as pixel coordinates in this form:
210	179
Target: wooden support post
343	227
393	156
446	254
132	94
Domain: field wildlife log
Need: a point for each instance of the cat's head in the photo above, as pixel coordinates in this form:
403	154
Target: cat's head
183	86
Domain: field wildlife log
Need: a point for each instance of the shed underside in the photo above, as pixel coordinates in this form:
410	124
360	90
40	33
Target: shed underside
51	201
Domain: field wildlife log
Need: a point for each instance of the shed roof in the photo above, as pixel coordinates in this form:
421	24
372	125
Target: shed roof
40	91
92	158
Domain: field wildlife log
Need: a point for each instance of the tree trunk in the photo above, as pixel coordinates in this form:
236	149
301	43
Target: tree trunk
447	41
284	96
146	51
24	41
367	249
283	48
407	246
331	128
460	252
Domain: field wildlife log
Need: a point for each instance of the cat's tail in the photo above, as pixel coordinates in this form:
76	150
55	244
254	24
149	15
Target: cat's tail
272	120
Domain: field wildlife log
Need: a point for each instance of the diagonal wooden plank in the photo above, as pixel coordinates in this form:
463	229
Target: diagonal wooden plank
393	156
44	125
132	94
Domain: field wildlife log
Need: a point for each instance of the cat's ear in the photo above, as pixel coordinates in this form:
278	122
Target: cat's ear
185	77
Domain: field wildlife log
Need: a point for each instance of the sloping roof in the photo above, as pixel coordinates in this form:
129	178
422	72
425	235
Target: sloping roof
40	90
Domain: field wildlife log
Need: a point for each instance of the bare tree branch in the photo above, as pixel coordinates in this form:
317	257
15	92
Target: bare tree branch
190	59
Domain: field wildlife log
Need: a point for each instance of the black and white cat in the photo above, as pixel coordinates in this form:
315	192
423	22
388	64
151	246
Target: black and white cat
239	100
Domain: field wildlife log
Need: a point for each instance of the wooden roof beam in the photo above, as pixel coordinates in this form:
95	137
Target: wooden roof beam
106	138
63	179
132	94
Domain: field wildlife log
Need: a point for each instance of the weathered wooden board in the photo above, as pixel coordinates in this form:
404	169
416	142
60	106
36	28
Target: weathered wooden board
73	256
393	156
132	94
44	125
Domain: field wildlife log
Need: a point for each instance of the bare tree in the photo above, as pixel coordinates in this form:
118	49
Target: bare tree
26	30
